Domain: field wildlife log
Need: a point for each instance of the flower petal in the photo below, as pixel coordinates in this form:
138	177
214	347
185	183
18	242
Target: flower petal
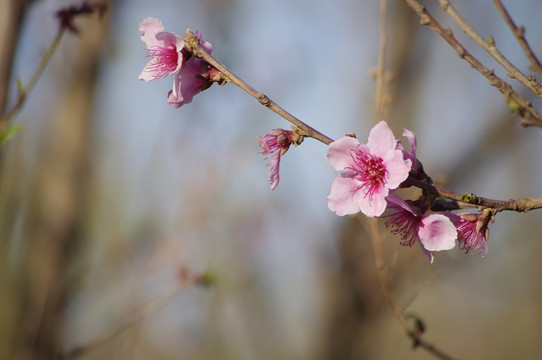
150	27
191	84
339	153
374	205
398	168
175	96
381	139
437	232
394	199
428	253
343	198
204	44
273	164
412	141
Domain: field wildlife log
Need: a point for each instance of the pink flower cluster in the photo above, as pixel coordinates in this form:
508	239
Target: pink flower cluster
368	176
169	57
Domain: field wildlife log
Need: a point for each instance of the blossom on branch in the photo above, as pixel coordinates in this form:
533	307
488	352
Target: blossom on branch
472	230
169	57
275	144
196	76
434	232
367	172
164	50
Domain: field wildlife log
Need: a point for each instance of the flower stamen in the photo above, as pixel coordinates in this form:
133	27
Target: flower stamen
163	60
370	171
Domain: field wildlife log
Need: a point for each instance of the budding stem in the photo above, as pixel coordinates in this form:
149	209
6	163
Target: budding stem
193	45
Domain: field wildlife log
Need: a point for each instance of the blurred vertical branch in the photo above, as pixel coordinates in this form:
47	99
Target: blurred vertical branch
357	304
47	203
11	18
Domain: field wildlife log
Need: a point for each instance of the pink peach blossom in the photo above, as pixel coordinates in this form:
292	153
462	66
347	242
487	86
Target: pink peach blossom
168	57
194	77
367	172
164	50
434	232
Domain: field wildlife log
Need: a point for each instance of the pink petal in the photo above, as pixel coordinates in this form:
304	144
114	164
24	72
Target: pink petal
428	253
402	203
437	232
204	44
375	205
184	91
149	28
175	96
274	164
381	139
147	74
398	168
412	141
339	153
343	198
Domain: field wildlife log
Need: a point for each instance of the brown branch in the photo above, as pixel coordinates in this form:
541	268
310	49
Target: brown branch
528	81
380	91
471	200
192	44
530	116
519	33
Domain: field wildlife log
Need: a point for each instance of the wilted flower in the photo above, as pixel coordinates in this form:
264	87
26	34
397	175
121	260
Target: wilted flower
274	144
472	230
367	172
434	232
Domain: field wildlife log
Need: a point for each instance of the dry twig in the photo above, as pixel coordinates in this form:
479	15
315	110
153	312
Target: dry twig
528	81
519	33
192	43
530	116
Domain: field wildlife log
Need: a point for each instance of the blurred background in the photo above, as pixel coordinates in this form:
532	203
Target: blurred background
111	201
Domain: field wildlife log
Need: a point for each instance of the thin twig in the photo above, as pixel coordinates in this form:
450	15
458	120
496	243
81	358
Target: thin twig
11	29
138	314
528	81
380	93
23	93
192	43
382	270
519	33
530	116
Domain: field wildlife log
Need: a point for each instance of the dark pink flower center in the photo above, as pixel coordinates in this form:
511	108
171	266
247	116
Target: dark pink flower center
370	171
163	61
269	143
